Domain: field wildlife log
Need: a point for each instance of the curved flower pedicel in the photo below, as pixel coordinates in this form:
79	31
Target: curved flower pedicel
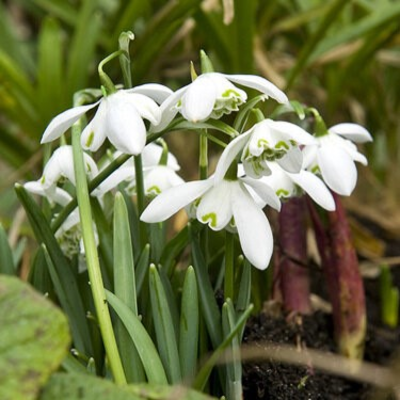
334	156
219	203
211	95
119	118
267	141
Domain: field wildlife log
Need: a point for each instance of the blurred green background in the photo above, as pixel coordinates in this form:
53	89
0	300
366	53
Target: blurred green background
340	56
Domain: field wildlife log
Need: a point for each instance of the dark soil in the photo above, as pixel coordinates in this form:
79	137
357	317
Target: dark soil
275	381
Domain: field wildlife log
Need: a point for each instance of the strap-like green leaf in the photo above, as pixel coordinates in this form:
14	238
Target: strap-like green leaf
144	345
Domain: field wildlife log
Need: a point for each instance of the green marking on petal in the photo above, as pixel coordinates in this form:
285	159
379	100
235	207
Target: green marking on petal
89	169
154	190
230	92
43	180
282	193
89	140
212	217
262	143
282	144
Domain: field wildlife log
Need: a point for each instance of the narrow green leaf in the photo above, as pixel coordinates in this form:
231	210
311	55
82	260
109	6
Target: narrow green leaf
74	306
39	275
211	313
204	373
381	16
189	326
315	38
83	45
50	73
125	289
7	266
243	298
142	267
71	364
143	343
164	327
60	9
234	368
34	340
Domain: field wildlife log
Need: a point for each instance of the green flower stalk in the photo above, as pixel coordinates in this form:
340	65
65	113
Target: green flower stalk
92	260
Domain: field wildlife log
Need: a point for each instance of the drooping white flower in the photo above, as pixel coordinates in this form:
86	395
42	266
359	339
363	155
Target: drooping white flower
211	95
286	185
266	141
157	178
61	165
221	204
119	118
334	156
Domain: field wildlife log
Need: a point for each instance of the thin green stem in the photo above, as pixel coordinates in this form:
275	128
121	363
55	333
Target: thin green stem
229	281
140	198
203	159
92	260
203	172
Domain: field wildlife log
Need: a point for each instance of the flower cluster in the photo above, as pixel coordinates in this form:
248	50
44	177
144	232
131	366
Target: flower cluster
269	162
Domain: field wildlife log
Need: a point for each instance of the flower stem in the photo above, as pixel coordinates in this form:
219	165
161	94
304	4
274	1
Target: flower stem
203	159
140	197
229	280
92	260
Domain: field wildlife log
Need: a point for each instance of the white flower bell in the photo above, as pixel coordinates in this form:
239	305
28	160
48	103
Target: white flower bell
334	156
211	95
266	141
221	204
119	118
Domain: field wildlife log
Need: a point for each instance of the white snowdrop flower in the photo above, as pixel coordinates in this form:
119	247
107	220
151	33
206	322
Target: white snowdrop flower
222	204
61	165
213	94
334	156
119	118
266	141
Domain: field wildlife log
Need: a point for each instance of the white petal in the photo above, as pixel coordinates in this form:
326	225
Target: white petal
292	161
338	169
215	206
293	131
310	156
151	155
95	132
113	180
315	188
255	233
155	91
172	200
159	179
63	121
60	164
229	154
168	110
199	99
146	107
260	84
354	132
264	191
125	128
